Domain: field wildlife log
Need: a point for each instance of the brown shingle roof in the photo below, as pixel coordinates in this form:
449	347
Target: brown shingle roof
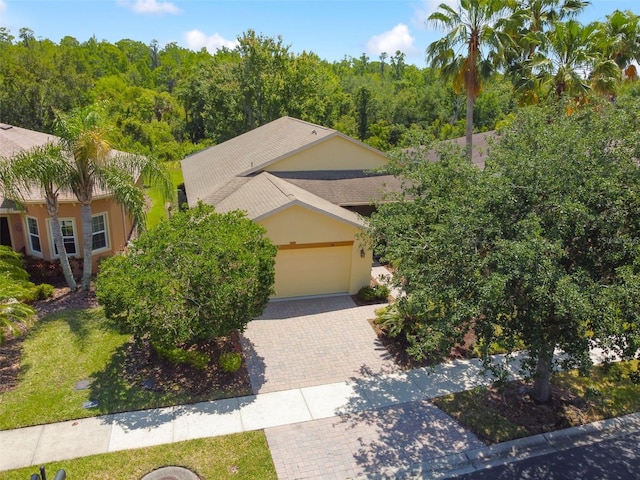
208	170
480	148
266	194
16	139
345	188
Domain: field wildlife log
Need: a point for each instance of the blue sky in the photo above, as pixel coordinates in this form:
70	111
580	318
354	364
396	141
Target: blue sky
332	29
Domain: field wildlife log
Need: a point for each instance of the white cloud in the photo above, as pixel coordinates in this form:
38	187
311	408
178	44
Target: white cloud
398	38
196	40
150	6
426	8
3	7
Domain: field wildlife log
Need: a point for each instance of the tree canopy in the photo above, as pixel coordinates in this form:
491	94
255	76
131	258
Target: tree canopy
197	276
539	250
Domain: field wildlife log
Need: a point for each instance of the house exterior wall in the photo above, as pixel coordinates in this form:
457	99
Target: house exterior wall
317	254
336	153
118	226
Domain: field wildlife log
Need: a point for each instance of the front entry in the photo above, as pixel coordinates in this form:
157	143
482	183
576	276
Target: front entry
5	235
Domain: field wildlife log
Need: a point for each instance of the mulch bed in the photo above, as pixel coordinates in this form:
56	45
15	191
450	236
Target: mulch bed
514	403
397	349
145	368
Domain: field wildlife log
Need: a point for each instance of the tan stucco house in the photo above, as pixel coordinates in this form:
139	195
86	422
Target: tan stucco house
28	230
309	186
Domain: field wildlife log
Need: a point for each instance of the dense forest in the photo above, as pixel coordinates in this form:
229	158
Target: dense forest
170	101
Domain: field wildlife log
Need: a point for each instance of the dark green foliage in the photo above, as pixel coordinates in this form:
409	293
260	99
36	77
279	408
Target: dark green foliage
198	276
373	293
538	249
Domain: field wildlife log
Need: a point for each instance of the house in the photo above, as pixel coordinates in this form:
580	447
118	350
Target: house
28	230
310	187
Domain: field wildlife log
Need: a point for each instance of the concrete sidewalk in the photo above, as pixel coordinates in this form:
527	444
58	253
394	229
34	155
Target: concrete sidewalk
45	443
392	409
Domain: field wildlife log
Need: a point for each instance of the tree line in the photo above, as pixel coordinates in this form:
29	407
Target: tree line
494	56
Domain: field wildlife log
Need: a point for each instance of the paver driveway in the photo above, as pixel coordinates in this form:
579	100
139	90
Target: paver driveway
317	341
305	343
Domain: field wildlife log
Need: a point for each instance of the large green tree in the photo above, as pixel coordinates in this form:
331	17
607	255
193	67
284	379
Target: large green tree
197	276
472	47
539	250
94	164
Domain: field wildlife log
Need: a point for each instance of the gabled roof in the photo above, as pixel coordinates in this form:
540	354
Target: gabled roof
265	194
209	170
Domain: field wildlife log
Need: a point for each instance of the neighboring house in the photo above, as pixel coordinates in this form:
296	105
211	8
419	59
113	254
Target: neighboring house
479	152
309	186
29	230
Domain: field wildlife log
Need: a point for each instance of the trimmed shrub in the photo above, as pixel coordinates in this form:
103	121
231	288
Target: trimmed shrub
230	362
374	293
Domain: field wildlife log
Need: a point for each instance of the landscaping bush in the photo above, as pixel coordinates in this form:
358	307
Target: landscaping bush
197	276
230	362
375	293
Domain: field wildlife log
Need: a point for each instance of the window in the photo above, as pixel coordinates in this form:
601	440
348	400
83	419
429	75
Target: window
34	235
99	232
68	237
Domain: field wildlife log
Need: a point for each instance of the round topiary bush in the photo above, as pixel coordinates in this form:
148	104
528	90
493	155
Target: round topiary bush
230	362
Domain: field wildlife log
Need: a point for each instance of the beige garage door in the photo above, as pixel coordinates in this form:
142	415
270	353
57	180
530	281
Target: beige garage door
312	271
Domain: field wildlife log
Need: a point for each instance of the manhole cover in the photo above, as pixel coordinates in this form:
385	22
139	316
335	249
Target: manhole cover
171	473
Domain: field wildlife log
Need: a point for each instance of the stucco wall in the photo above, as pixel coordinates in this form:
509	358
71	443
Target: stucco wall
318	254
118	227
336	153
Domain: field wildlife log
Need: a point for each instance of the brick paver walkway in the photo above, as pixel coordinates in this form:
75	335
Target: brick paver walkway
302	343
390	442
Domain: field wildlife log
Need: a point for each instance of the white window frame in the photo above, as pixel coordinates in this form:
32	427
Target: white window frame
34	252
106	233
54	254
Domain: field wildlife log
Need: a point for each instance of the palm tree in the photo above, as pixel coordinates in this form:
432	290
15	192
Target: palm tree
96	165
528	26
620	36
571	61
43	167
472	46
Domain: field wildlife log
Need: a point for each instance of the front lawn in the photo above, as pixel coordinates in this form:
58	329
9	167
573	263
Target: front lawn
73	346
237	456
497	414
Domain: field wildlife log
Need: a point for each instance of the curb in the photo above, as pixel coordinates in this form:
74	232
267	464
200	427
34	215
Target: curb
528	447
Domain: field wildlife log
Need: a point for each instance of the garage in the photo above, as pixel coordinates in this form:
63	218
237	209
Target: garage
303	270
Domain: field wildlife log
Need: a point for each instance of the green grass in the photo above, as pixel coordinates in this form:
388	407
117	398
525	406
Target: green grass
65	348
609	391
470	410
609	388
237	456
157	212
